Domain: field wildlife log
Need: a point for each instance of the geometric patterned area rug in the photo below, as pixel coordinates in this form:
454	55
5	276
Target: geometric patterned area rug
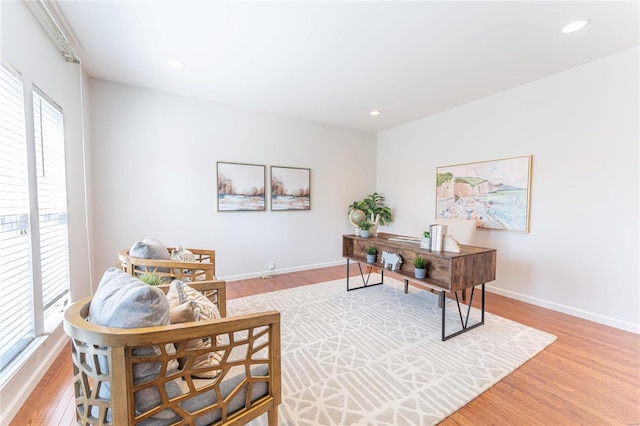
375	357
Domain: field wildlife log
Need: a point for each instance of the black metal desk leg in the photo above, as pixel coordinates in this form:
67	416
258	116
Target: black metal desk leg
442	302
464	321
365	281
347	274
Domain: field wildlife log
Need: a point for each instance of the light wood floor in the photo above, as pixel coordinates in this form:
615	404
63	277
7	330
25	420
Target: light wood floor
589	376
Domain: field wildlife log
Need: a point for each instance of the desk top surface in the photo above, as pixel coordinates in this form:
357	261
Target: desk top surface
413	243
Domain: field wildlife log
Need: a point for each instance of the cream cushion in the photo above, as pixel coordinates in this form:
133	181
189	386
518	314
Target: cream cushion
188	304
181	254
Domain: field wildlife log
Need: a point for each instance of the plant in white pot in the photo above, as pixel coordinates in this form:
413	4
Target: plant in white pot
373	206
365	228
371	254
425	241
420	267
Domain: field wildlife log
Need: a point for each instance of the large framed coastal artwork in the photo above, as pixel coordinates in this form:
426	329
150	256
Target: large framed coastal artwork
290	188
240	187
495	193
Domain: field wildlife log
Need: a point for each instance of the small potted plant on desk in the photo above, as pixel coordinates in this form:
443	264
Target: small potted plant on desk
420	264
365	227
371	254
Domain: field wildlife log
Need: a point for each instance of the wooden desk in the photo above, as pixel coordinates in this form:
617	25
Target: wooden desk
447	272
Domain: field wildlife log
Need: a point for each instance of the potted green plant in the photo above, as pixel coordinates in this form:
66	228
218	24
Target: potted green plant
420	267
425	241
151	279
371	254
365	227
374	208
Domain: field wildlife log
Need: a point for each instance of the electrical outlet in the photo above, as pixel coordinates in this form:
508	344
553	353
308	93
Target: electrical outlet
272	265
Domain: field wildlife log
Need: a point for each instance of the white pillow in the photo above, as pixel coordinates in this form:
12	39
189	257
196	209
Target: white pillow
187	304
180	293
181	254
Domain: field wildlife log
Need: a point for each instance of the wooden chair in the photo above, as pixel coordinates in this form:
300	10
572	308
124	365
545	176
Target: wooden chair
247	386
203	269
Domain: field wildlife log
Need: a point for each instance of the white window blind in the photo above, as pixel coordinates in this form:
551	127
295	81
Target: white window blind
16	303
52	201
30	293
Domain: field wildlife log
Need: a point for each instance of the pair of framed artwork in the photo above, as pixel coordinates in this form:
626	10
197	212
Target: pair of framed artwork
241	187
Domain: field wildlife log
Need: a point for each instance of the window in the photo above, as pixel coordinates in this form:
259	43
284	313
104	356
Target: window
35	271
52	201
16	306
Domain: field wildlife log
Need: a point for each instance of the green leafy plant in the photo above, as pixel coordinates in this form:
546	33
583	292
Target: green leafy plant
373	205
151	279
426	234
365	225
372	250
420	262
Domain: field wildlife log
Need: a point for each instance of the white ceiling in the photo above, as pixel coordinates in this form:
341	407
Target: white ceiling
335	61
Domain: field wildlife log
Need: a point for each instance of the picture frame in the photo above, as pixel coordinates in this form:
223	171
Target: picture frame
290	188
494	193
241	187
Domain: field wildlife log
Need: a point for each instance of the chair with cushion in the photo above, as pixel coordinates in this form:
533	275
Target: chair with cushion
145	355
150	256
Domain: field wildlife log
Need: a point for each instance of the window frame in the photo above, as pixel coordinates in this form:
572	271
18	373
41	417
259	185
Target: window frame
44	319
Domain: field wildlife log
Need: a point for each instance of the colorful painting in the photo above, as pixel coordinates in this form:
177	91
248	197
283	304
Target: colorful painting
240	187
494	193
290	188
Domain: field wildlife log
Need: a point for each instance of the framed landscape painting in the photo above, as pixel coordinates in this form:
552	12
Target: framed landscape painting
290	188
240	187
496	193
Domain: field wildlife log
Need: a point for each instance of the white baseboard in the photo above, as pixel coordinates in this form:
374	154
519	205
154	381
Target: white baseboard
282	271
600	319
17	388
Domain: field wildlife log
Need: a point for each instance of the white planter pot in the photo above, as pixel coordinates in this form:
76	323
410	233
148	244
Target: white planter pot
425	243
420	273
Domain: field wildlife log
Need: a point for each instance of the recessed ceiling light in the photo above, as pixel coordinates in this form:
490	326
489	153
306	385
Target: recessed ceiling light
175	64
375	112
575	26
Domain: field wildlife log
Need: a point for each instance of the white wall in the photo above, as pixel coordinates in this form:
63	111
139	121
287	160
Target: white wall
582	128
27	48
154	173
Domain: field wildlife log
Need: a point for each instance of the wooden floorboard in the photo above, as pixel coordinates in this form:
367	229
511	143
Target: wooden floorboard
589	376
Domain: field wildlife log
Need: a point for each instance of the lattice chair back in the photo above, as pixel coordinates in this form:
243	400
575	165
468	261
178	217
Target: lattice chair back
204	267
